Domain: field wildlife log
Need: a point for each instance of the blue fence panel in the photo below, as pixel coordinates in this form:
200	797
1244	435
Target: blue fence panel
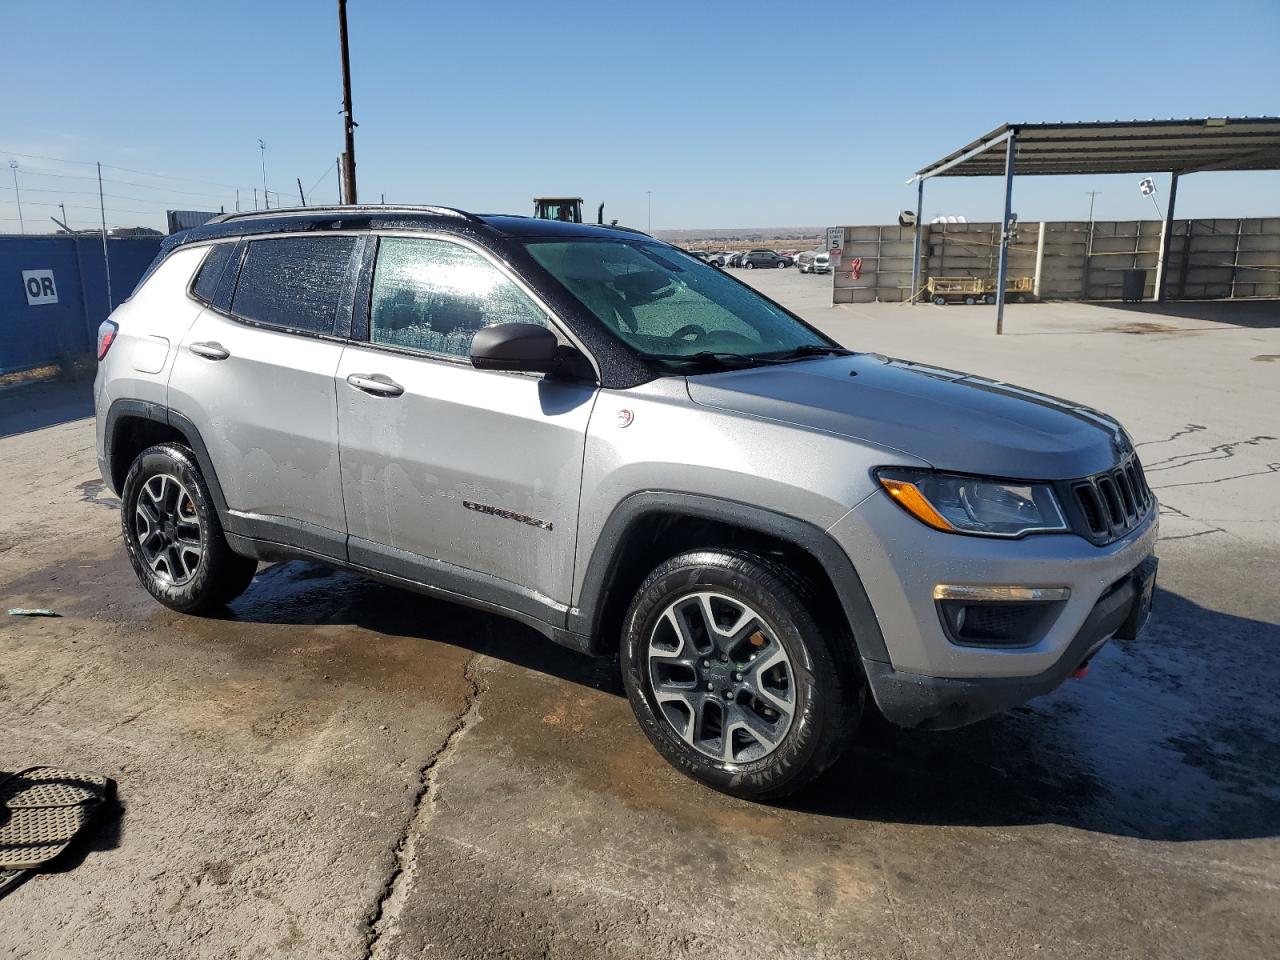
35	334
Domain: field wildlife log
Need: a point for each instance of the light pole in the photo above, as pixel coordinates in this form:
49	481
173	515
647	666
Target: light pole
262	151
649	194
13	165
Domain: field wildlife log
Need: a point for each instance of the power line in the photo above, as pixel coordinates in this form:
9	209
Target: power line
112	166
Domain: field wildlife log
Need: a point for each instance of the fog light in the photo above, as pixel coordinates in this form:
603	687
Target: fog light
998	616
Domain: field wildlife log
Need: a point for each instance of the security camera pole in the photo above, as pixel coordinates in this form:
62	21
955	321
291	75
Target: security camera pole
348	125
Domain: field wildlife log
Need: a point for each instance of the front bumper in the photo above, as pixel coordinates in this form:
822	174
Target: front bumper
943	703
930	681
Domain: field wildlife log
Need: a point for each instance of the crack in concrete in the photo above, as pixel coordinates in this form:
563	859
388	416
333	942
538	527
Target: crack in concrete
1271	468
1188	429
1220	451
395	891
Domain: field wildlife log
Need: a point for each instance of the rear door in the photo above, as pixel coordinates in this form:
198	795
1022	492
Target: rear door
464	478
255	374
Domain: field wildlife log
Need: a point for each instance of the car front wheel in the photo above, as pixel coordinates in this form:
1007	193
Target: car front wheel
737	676
172	534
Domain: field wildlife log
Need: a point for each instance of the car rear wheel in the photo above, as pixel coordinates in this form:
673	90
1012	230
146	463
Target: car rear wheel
970	301
172	535
733	679
749	265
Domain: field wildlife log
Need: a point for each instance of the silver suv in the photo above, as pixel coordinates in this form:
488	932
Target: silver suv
633	453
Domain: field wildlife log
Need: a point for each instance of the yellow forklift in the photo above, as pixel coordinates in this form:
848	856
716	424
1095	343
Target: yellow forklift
565	209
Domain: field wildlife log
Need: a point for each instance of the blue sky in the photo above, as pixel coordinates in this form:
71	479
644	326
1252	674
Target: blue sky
736	113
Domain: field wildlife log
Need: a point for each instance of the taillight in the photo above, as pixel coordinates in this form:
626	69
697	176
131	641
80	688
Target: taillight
106	337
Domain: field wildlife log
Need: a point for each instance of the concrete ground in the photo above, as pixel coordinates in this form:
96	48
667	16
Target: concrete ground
338	769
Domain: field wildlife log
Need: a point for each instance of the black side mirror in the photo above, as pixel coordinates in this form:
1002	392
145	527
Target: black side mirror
515	346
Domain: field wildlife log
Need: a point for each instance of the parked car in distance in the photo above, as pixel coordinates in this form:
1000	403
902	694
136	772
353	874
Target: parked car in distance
588	431
755	259
733	258
814	261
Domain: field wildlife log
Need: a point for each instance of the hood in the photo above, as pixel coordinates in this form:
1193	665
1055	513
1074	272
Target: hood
954	421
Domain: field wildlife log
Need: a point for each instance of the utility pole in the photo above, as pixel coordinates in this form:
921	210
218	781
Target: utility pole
106	257
255	198
63	207
262	151
649	194
348	124
340	169
300	194
13	165
237	199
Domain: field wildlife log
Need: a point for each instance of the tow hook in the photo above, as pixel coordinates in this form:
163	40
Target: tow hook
1080	672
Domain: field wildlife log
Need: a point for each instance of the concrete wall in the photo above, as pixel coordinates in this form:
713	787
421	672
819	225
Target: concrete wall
1208	259
37	336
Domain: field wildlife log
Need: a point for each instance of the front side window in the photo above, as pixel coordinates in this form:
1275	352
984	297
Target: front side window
670	306
293	282
433	295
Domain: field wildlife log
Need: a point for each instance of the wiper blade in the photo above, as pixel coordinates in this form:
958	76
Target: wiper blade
705	357
812	350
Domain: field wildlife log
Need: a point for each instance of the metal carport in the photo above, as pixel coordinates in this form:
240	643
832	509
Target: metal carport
1176	147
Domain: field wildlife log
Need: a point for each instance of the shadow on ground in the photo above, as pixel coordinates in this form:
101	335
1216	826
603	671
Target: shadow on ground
1173	737
39	405
1256	314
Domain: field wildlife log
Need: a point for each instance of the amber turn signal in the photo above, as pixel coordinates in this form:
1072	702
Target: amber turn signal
913	501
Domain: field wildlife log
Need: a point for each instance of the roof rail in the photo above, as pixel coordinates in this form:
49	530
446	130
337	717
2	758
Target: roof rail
348	208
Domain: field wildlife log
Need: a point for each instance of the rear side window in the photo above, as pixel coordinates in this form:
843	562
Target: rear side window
293	282
210	275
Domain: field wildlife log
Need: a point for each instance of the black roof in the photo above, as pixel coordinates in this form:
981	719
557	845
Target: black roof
387	217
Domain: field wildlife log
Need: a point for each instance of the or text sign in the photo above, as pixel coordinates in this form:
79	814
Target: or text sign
40	286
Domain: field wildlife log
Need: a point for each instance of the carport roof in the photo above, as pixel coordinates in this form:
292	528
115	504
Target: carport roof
1122	146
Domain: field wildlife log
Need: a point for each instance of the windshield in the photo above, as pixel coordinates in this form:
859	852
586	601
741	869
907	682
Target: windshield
672	307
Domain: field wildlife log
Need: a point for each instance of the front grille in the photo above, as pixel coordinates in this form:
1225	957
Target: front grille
1113	502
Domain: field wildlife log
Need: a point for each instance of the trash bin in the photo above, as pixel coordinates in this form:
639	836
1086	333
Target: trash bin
1135	285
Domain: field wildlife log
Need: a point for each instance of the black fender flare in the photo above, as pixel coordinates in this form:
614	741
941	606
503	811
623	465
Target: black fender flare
602	568
159	413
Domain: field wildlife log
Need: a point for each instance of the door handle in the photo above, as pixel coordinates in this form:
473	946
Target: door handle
210	350
378	384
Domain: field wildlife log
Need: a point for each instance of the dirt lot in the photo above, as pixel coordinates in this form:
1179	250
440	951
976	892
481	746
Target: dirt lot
338	769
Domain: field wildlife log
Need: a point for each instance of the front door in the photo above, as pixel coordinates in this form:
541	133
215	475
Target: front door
462	478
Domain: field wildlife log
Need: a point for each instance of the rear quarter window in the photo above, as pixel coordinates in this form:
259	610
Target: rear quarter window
293	283
211	270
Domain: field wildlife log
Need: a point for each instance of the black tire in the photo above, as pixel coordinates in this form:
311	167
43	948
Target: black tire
826	698
219	575
940	301
970	301
749	265
781	264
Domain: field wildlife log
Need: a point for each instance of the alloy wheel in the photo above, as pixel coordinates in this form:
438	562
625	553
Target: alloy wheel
721	677
168	529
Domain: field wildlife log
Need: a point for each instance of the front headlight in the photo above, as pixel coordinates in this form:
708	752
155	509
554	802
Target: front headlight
976	505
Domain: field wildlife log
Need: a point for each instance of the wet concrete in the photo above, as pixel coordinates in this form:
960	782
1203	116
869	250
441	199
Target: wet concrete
336	768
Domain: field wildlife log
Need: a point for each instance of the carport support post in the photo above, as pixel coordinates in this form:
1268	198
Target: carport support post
1002	273
1166	240
915	254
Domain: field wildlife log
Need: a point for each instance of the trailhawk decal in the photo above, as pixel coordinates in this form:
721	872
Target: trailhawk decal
507	514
